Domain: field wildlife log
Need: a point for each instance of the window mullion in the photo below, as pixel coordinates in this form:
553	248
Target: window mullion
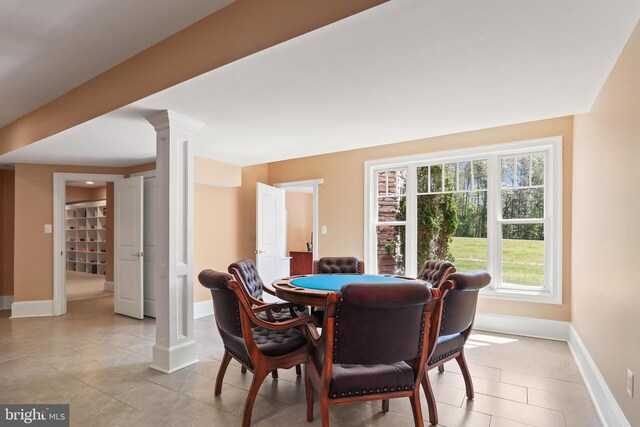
494	214
411	231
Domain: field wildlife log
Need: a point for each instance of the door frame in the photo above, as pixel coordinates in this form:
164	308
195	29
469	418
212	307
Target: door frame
313	183
59	241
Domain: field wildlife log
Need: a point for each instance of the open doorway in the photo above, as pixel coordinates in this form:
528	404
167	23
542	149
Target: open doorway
88	240
299	229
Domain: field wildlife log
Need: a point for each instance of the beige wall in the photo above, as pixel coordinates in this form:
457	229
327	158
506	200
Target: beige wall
224	225
606	311
7	198
299	220
34	208
341	197
80	194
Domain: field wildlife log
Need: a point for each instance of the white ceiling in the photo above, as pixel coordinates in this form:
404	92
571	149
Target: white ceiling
51	46
84	184
405	70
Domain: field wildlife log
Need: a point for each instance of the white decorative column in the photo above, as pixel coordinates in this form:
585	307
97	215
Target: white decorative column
175	345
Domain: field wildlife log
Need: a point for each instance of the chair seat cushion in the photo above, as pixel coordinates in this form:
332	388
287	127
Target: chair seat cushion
353	380
277	343
446	346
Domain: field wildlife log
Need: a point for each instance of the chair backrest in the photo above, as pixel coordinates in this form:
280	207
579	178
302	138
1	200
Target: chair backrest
459	305
246	274
336	265
435	271
379	323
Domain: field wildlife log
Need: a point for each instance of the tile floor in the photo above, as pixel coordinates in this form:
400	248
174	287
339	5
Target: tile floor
81	286
99	363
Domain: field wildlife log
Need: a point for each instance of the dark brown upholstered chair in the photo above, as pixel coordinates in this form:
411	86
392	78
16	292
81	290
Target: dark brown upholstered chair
246	274
337	265
436	271
260	346
452	329
373	346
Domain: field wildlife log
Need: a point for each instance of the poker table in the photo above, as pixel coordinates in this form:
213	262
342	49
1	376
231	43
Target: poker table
312	289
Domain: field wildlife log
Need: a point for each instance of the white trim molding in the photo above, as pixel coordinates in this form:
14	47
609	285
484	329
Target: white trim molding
5	302
313	184
608	409
108	286
32	309
202	309
523	326
59	301
605	403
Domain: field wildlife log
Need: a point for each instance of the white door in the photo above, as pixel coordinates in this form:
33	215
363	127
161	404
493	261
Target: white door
150	244
128	242
270	232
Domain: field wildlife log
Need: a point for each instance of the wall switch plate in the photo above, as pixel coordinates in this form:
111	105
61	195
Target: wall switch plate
323	229
47	229
630	382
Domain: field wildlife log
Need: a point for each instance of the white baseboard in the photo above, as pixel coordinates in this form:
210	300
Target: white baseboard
5	302
202	309
524	326
32	309
108	286
608	409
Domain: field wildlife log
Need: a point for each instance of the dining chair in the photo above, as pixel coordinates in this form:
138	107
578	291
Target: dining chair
372	347
335	265
436	271
258	345
246	274
338	265
451	328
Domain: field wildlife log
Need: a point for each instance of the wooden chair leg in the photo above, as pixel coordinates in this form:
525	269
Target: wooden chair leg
258	378
243	370
441	368
221	371
431	400
274	374
385	405
298	370
468	384
308	387
324	410
416	408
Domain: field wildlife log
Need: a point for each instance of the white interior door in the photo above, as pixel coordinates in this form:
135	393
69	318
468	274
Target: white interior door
128	247
270	232
150	244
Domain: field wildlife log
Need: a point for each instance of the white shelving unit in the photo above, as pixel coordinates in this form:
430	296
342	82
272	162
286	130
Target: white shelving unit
86	237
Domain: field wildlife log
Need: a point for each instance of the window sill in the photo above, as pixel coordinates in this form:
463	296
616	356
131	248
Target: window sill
521	295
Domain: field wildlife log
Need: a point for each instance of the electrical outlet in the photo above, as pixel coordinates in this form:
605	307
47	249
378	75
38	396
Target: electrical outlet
630	382
323	229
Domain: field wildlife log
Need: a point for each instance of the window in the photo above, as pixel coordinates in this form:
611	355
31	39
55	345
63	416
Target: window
495	208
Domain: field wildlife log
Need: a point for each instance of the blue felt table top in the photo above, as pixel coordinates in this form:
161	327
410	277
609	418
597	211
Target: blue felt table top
335	282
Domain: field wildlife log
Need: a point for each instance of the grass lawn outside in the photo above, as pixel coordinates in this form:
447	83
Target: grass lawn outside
522	260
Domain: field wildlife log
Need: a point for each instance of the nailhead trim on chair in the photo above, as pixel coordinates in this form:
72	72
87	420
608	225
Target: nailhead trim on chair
445	355
242	359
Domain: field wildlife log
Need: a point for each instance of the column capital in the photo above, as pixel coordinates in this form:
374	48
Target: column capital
166	119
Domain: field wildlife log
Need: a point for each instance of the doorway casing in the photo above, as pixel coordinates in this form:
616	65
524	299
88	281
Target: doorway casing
59	201
313	184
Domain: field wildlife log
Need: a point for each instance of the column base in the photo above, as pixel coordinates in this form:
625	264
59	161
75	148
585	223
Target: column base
171	359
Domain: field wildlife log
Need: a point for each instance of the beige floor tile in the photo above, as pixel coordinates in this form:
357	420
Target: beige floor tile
203	415
113	380
546	384
516	411
480	385
577	411
179	381
502	422
154	399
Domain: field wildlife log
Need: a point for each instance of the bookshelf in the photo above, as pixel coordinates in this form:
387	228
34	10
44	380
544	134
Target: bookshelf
86	237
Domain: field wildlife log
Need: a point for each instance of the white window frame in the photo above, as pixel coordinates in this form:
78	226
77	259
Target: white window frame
552	220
